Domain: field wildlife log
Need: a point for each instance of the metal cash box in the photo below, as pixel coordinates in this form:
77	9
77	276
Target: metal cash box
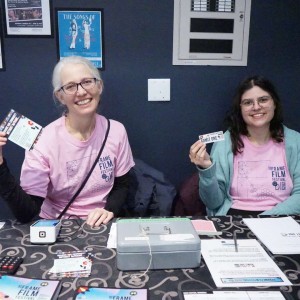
157	243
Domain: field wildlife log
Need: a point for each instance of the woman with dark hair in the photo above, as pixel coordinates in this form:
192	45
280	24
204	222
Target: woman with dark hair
256	169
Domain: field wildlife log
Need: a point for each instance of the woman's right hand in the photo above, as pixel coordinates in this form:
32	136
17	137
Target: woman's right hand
199	156
3	141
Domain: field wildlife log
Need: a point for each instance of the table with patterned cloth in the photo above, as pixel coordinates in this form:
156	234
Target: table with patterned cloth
162	284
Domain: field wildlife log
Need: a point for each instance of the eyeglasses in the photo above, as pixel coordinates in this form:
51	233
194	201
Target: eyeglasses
72	87
263	101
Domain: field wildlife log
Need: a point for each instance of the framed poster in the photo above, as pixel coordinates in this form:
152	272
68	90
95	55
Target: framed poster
80	32
2	65
27	18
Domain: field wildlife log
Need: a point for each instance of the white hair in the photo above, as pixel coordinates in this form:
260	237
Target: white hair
56	78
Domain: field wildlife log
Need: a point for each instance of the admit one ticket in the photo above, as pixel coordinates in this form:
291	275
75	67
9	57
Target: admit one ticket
211	137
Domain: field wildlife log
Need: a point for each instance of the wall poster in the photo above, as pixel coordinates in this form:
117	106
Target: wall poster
80	32
28	18
1	56
2	66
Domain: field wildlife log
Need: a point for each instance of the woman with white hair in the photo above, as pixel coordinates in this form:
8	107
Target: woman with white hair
67	150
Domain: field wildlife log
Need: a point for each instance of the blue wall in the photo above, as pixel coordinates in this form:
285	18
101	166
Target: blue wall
138	38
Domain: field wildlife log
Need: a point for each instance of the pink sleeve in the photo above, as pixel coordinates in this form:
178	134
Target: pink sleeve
35	174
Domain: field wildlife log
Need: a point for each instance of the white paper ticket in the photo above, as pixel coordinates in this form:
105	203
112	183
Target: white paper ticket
211	137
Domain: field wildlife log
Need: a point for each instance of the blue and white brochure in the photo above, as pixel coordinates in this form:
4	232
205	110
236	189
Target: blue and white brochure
96	293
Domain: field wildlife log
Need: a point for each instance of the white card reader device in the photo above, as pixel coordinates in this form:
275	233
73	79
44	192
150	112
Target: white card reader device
44	231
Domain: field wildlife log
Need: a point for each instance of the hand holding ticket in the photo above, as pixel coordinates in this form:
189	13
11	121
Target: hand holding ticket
211	137
198	154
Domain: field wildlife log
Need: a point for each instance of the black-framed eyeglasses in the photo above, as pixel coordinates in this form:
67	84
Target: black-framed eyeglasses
72	87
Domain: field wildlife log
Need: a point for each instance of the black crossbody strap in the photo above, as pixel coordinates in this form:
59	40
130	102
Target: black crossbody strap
89	174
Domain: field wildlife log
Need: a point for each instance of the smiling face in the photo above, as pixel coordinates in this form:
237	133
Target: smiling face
84	102
258	115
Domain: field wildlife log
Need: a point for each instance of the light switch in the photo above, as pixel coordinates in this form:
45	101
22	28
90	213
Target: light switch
159	89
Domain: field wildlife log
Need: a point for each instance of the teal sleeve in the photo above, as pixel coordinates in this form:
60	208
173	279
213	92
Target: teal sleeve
214	182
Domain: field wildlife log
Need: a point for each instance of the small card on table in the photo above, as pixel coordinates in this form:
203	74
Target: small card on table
206	227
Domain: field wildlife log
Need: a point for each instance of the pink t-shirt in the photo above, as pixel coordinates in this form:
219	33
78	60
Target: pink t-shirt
261	177
58	164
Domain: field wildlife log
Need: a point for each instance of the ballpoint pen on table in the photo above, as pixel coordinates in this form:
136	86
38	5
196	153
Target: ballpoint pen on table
235	242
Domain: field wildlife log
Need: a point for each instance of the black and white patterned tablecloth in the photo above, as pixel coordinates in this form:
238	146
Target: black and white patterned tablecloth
162	284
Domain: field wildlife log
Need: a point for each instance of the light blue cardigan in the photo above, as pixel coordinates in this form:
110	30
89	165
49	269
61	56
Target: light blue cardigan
215	181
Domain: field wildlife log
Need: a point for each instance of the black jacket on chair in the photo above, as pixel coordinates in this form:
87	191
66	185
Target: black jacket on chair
150	193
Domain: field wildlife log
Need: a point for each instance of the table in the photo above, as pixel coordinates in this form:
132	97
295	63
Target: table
162	284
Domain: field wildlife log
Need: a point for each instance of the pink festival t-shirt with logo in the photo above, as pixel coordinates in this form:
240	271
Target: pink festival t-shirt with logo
261	177
58	164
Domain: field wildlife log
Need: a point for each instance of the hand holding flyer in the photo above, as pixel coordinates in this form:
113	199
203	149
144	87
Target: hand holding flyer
20	130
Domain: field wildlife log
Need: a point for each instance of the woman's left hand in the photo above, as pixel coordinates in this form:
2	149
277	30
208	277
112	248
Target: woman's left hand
99	216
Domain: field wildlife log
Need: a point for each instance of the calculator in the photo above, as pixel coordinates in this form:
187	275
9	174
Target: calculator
9	264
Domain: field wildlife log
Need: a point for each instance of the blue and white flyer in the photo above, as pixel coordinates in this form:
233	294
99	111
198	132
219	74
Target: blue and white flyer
95	293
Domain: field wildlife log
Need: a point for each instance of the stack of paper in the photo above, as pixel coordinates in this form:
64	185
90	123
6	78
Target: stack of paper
234	295
112	238
248	264
279	235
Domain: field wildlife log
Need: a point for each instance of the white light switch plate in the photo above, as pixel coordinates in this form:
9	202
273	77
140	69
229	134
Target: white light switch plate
159	89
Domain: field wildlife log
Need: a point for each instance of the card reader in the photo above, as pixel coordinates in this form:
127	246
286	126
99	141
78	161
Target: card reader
44	231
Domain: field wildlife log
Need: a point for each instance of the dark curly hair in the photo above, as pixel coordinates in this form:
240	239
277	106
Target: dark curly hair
235	122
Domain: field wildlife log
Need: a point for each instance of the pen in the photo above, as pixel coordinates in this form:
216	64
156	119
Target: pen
235	242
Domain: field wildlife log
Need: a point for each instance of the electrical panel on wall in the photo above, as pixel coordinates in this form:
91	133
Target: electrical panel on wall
211	32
